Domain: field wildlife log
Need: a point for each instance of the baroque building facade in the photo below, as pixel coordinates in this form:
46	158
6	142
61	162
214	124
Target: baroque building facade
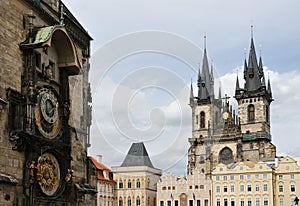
136	178
243	183
45	105
192	190
219	134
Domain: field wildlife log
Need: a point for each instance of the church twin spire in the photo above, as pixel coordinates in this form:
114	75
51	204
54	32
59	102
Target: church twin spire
253	74
205	82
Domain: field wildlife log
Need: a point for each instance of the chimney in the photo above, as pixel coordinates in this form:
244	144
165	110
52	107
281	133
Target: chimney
99	158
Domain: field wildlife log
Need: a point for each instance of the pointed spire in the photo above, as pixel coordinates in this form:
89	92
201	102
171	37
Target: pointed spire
220	93
263	81
237	84
191	94
252	73
205	69
269	86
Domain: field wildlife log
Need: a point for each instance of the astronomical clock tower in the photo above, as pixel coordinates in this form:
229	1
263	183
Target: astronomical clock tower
46	98
222	135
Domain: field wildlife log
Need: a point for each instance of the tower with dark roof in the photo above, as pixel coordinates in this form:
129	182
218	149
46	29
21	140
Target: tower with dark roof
136	178
221	135
254	99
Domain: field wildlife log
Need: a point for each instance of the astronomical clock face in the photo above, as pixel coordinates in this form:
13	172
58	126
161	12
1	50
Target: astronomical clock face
48	174
47	113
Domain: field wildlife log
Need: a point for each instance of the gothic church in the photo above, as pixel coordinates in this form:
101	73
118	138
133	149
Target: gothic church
219	135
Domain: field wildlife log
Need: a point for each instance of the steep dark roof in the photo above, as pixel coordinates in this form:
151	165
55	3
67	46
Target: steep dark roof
137	156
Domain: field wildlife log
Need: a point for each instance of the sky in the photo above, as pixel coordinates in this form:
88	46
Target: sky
146	53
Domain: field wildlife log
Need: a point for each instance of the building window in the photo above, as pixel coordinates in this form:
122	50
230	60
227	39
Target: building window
256	176
205	202
169	203
225	178
129	184
257	201
202	119
218	189
266	201
241	177
280	177
218	202
280	188
293	189
225	188
217	178
161	203
138	183
265	187
129	201
242	188
176	203
138	201
281	202
225	202
120	201
198	202
251	112
249	201
257	187
249	188
232	202
231	188
197	119
242	201
248	177
292	176
191	203
231	177
265	176
120	184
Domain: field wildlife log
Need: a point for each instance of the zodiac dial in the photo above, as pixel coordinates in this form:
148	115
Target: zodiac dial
48	174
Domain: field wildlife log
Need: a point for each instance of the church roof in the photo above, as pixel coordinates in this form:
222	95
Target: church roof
137	156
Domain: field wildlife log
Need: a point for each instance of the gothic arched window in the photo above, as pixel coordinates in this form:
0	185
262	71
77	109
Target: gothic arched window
202	119
251	112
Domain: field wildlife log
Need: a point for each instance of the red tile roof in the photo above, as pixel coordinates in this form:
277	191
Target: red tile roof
100	168
98	165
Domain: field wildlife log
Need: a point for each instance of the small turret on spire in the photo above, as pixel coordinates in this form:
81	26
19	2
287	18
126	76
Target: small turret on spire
191	94
269	90
220	93
237	84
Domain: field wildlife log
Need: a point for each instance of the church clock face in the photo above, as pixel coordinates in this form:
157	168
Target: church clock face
48	174
47	113
226	156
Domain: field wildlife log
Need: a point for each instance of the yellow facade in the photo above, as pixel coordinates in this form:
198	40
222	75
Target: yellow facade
243	183
287	181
